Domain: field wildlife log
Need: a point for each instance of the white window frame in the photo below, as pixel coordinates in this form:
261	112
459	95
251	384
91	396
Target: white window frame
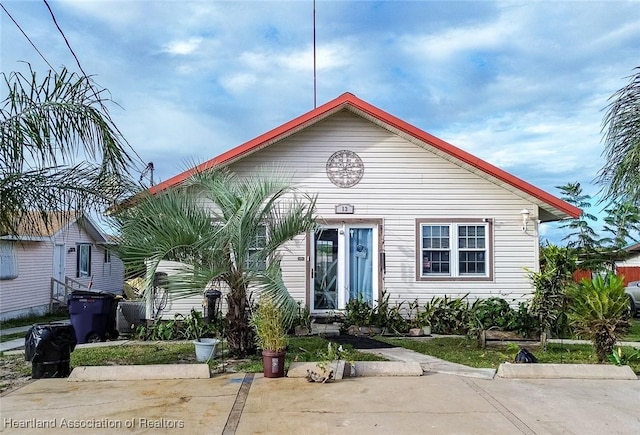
259	243
83	247
8	260
452	246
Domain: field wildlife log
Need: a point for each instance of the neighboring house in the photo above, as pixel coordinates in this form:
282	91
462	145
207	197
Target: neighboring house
401	210
73	247
629	268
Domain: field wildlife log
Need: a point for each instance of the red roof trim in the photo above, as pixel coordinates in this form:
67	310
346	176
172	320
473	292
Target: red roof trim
257	142
351	100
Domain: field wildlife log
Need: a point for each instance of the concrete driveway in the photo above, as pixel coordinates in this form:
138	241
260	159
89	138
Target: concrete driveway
248	404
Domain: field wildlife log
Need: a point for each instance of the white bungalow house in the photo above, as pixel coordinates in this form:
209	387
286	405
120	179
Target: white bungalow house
401	210
36	264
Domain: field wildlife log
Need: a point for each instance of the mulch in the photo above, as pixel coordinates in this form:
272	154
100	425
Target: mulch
360	342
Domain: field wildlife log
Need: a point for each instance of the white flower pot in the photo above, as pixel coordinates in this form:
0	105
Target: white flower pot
206	349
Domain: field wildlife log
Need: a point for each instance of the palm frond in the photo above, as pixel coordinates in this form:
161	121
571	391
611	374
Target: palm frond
45	125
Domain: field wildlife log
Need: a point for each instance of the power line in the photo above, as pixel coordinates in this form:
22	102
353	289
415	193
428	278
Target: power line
25	35
89	81
68	45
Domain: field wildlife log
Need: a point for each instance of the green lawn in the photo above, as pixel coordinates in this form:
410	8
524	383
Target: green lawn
135	354
305	349
634	334
300	349
10	337
28	321
467	352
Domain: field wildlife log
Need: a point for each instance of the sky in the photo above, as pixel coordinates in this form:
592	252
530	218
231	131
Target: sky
520	84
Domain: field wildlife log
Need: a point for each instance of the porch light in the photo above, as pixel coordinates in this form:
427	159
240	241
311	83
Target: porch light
525	218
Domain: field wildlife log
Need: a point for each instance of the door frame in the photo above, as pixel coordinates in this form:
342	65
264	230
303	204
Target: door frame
59	267
380	270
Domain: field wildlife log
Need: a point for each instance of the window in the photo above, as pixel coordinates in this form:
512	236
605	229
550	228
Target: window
456	250
8	261
255	255
83	268
107	255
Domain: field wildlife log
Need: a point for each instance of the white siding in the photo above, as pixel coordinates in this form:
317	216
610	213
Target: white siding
178	305
31	290
105	277
402	182
634	260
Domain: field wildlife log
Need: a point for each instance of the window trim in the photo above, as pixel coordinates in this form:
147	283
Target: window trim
257	245
79	273
10	263
454	246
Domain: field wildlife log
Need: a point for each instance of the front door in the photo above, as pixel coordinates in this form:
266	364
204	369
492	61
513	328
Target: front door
344	265
59	253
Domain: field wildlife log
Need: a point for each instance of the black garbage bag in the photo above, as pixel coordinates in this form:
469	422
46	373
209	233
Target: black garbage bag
525	357
48	347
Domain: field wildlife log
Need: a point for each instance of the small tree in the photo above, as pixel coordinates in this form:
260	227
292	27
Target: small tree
622	224
551	282
582	238
229	230
599	311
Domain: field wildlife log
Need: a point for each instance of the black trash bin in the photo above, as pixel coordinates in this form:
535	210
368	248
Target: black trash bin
48	346
212	297
93	315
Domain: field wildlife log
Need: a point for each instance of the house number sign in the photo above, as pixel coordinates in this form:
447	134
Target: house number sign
344	209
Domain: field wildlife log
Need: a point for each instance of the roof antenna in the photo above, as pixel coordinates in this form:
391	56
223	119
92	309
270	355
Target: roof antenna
148	169
315	104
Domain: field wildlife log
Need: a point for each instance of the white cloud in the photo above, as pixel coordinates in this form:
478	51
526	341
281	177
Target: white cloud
238	83
452	43
183	47
519	84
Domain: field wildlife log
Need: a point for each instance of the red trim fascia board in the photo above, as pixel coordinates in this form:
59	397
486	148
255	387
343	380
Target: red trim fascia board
467	158
258	142
348	99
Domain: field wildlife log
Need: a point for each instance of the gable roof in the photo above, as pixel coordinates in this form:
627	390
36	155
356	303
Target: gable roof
633	249
32	226
554	206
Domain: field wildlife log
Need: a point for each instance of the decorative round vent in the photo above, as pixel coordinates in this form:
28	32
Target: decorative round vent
345	168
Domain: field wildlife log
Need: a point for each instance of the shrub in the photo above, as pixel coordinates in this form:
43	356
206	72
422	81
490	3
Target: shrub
598	311
179	328
268	323
551	282
492	312
451	316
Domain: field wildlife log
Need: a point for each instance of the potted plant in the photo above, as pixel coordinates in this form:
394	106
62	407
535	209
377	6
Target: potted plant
302	322
197	329
424	316
271	337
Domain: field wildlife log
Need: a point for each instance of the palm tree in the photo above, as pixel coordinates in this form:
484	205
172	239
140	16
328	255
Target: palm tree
599	311
619	176
44	127
228	230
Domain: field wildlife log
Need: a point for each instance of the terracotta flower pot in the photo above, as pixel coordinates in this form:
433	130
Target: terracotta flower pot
273	363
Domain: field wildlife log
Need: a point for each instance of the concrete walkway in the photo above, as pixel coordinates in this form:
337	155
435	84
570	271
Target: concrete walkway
432	364
16	343
249	404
